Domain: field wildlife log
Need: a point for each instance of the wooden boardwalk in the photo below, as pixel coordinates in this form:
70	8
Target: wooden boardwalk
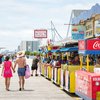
36	88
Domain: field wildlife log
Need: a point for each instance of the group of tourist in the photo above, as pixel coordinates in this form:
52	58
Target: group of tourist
73	59
58	60
8	69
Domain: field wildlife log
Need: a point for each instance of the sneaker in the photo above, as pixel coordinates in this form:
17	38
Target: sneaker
36	74
20	89
31	74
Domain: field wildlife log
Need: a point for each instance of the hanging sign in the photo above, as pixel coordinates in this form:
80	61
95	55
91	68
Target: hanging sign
40	33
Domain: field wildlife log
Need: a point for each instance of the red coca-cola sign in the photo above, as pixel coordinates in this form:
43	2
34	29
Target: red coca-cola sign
93	44
81	45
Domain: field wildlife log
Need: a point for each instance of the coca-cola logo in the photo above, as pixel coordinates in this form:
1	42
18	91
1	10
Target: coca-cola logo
96	45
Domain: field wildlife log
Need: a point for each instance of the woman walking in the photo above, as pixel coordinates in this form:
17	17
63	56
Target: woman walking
7	72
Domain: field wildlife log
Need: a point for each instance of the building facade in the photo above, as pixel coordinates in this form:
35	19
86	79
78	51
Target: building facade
29	46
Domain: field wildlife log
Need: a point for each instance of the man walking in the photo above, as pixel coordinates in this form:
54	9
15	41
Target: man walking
34	65
21	62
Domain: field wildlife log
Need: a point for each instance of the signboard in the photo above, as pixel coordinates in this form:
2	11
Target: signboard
78	32
89	29
97	28
87	85
93	44
83	83
77	36
40	33
90	46
81	45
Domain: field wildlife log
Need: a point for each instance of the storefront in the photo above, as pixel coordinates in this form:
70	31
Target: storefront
87	83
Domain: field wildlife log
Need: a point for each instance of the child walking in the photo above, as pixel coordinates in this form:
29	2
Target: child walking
7	72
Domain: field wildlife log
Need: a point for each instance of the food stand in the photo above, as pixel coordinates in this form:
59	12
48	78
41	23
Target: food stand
88	84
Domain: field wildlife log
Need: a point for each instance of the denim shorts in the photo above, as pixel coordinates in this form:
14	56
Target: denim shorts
21	71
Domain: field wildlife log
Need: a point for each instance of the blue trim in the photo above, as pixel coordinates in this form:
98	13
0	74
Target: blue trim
71	49
83	96
93	52
64	49
52	51
85	52
55	50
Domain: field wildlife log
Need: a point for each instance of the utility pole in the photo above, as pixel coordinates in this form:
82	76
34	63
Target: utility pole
54	32
69	25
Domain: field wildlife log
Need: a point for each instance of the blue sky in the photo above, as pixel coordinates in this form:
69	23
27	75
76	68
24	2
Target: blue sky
18	18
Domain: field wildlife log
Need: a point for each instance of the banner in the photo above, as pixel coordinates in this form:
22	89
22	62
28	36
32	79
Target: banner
77	36
93	44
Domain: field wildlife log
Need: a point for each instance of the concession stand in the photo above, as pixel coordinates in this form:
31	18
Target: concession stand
88	83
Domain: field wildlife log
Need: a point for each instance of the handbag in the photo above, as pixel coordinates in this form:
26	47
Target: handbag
27	72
